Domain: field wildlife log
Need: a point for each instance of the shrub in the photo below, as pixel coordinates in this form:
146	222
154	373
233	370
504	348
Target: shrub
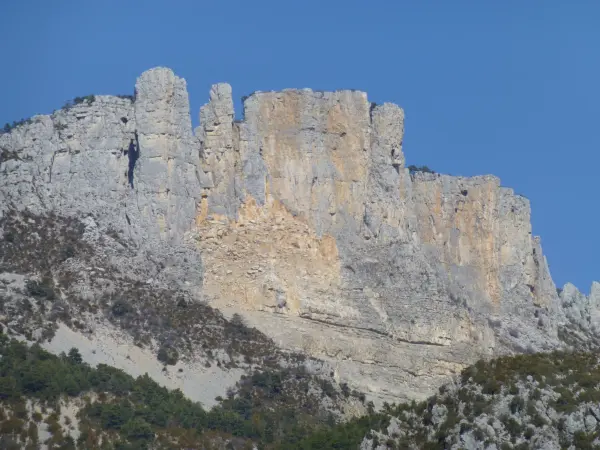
237	320
538	421
68	251
168	355
414	169
491	386
120	307
8	127
131	98
41	289
479	434
74	356
138	429
88	99
516	404
513	427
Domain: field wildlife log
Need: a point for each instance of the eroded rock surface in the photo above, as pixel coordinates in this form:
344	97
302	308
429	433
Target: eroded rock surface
304	218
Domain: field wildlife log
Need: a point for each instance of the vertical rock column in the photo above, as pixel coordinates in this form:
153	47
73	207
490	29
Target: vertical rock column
220	158
387	204
165	176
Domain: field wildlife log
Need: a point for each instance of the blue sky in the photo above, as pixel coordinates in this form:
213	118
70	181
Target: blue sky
510	88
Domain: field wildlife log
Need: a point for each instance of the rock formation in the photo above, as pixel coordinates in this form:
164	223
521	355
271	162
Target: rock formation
304	218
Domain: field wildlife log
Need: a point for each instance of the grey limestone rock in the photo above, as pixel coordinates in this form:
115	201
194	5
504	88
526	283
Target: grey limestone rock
307	221
129	166
582	310
220	157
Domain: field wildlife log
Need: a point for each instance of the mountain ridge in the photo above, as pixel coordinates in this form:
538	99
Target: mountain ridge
303	218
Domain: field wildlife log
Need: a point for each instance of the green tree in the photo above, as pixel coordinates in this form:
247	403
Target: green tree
74	356
138	429
8	387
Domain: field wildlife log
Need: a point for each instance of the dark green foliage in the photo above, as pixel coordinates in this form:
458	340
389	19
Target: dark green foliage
8	127
168	355
8	387
273	407
88	100
541	366
538	421
120	307
68	251
584	441
511	425
136	429
41	289
574	376
39	245
74	356
566	402
479	434
344	436
414	169
516	404
492	387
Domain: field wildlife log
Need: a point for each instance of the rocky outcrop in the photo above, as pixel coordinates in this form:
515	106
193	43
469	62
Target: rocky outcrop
304	217
525	401
167	185
332	229
127	167
582	311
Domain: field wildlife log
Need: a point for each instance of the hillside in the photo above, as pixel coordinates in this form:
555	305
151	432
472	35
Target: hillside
540	401
62	402
520	402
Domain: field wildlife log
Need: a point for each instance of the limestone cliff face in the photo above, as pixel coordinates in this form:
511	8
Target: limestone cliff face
130	167
304	217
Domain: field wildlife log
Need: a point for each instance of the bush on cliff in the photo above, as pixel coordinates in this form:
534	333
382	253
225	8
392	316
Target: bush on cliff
414	169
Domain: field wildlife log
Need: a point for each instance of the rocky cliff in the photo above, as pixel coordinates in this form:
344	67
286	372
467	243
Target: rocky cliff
303	218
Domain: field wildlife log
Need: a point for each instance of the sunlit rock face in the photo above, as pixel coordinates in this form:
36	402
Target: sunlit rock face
304	218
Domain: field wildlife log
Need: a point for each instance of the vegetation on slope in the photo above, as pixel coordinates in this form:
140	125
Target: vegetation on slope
8	127
518	402
88	100
270	408
53	250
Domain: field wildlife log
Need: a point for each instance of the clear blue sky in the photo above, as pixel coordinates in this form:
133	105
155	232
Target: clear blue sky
510	88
